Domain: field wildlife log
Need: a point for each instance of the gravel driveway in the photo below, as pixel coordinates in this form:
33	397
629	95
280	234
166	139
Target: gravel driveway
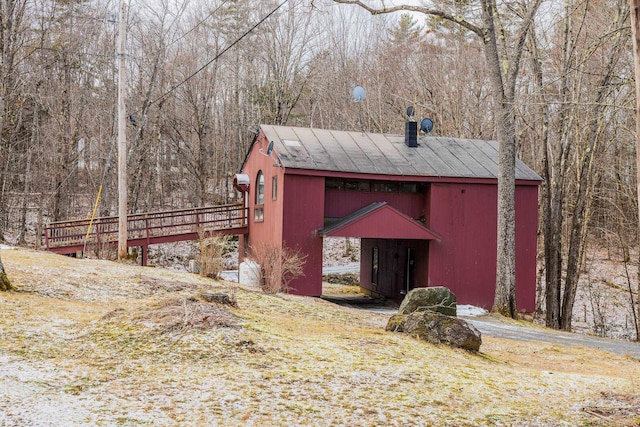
493	327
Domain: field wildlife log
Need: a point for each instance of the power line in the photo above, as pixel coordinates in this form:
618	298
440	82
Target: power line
246	33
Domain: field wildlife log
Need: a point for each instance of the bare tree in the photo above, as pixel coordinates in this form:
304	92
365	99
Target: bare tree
584	93
12	37
346	56
27	175
151	35
437	72
585	178
284	62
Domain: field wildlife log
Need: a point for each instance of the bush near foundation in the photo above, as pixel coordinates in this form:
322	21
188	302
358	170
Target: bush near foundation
277	265
212	249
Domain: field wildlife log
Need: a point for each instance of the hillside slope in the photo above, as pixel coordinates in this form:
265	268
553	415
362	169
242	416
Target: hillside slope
87	342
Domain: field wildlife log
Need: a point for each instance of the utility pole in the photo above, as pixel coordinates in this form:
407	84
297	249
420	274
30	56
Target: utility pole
634	6
122	136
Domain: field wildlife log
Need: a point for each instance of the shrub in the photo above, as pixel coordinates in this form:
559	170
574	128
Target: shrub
278	266
5	284
212	248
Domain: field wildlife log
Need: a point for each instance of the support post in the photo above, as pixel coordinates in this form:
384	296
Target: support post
634	6
122	136
145	251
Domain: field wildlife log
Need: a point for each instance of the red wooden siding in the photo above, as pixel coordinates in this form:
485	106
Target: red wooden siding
340	203
380	221
303	215
465	259
526	246
292	218
270	229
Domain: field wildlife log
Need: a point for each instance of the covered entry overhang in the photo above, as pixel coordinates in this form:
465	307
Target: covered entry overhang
378	221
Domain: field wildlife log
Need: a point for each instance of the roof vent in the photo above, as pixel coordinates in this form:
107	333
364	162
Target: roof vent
291	142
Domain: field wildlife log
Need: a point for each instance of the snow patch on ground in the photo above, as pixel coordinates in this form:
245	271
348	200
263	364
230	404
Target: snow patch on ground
603	301
229	275
470	310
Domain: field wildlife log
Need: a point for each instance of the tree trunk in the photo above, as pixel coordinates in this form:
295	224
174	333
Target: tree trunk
142	167
555	185
27	176
505	295
552	250
505	300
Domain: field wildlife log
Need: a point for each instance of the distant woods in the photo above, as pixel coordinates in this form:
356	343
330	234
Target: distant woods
189	130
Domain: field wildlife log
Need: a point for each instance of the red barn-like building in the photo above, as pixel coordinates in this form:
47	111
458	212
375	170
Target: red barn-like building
425	209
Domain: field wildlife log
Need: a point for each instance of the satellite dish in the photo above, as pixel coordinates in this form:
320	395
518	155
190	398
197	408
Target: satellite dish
269	148
410	111
426	125
359	94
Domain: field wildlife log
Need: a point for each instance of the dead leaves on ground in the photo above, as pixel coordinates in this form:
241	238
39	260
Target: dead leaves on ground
616	409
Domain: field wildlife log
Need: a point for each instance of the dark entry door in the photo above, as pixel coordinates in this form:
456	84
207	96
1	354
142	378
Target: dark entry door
375	262
409	271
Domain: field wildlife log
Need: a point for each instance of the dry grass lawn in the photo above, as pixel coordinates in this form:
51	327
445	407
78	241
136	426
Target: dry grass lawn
86	342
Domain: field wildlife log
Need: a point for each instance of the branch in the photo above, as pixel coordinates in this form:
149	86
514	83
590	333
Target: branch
480	31
521	37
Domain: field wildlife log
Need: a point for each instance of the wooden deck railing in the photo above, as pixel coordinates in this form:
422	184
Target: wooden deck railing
147	228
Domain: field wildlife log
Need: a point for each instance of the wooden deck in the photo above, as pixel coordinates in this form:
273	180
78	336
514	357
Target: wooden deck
144	229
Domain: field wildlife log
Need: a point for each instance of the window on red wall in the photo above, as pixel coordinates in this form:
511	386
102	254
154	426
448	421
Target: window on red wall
258	214
260	189
258	210
374	266
274	188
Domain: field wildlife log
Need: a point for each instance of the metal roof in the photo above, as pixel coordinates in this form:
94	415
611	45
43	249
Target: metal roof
381	154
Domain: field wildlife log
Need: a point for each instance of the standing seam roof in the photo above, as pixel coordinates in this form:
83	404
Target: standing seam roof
374	153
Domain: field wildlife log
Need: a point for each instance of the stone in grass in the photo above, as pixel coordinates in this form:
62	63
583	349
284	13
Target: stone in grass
436	298
222	299
437	328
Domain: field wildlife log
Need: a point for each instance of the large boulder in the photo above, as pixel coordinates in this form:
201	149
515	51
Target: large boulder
436	298
437	328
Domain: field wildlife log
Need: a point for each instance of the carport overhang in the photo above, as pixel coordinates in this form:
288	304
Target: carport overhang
378	221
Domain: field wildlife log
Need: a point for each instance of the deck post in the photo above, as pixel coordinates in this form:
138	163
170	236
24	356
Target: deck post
144	249
241	248
46	236
245	209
